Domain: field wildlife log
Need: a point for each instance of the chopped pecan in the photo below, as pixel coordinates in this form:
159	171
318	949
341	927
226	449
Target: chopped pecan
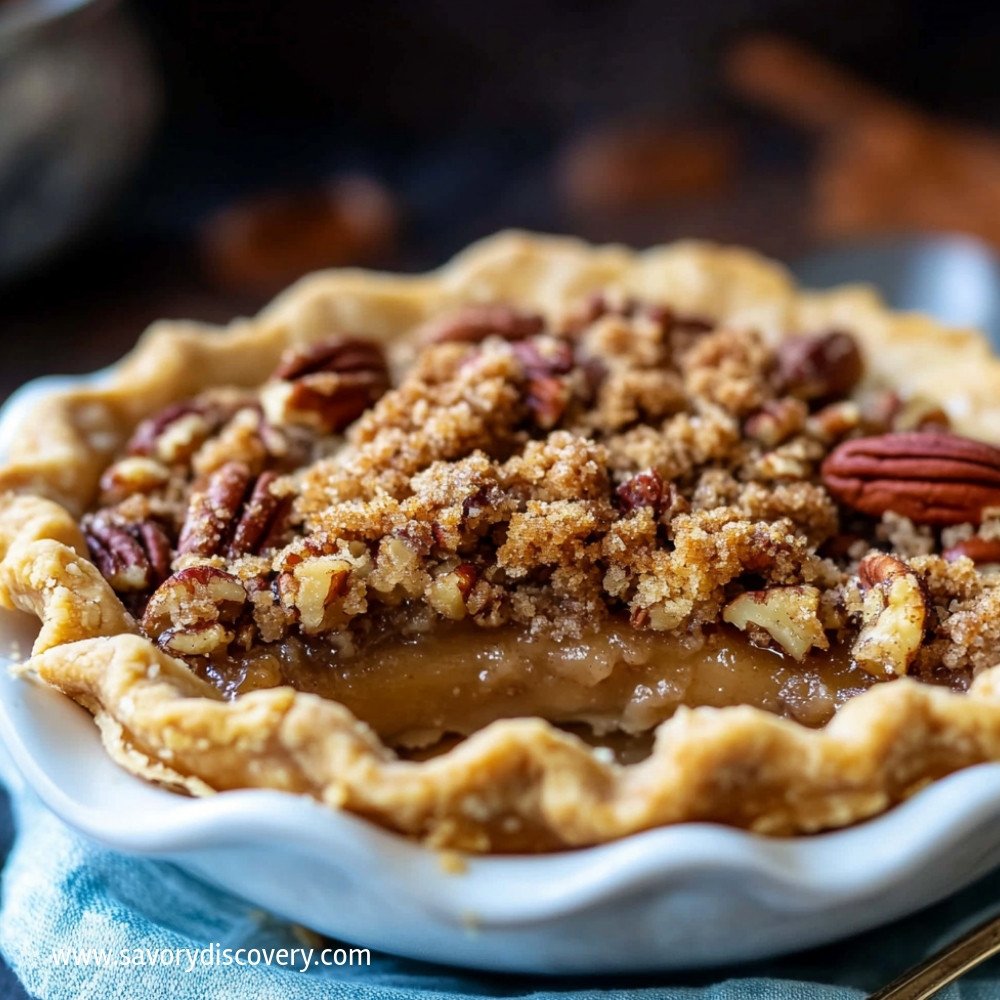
546	393
398	567
644	489
590	310
785	463
547	398
982	551
195	640
920	414
929	477
789	615
312	587
132	557
819	368
472	324
193	611
328	385
659	617
449	592
233	515
894	616
776	421
878	410
835	421
135	474
544	356
885	410
175	433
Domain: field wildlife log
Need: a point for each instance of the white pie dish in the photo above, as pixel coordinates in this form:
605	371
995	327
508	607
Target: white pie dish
683	896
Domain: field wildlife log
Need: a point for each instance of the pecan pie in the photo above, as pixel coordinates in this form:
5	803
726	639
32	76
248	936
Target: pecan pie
553	545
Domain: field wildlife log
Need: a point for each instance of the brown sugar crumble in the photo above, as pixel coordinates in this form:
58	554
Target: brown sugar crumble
625	468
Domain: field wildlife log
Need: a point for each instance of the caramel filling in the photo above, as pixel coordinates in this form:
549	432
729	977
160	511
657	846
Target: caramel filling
460	678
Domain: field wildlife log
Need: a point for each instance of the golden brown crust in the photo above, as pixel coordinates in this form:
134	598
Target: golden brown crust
518	782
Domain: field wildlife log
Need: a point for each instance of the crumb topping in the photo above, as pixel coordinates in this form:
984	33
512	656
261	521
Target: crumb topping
628	465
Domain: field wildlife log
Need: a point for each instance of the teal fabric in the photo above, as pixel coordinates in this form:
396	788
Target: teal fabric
60	891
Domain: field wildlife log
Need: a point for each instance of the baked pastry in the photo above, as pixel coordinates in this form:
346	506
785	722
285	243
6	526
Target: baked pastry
547	547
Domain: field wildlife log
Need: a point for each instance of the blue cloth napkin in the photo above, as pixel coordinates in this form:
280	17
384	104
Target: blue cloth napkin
63	896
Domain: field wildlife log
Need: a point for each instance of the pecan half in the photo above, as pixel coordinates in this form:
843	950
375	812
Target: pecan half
599	304
819	368
212	511
233	515
335	354
131	557
929	477
982	551
472	324
894	616
262	521
327	385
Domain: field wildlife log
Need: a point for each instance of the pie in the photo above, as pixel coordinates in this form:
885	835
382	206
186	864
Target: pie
550	546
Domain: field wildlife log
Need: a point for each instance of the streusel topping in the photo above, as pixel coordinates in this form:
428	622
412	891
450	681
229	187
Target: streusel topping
628	466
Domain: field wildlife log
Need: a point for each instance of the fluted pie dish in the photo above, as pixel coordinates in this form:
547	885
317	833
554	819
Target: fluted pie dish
555	545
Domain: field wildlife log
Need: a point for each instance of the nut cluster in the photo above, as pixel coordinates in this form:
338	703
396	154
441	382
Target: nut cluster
172	502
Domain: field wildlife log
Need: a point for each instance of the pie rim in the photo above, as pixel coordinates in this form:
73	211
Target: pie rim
160	721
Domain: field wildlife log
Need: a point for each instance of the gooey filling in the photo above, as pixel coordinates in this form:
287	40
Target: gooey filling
593	518
460	678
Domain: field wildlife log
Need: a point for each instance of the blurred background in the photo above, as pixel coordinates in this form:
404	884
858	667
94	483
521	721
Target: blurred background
186	158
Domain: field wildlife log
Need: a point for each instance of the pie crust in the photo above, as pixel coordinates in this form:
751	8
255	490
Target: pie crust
518	783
